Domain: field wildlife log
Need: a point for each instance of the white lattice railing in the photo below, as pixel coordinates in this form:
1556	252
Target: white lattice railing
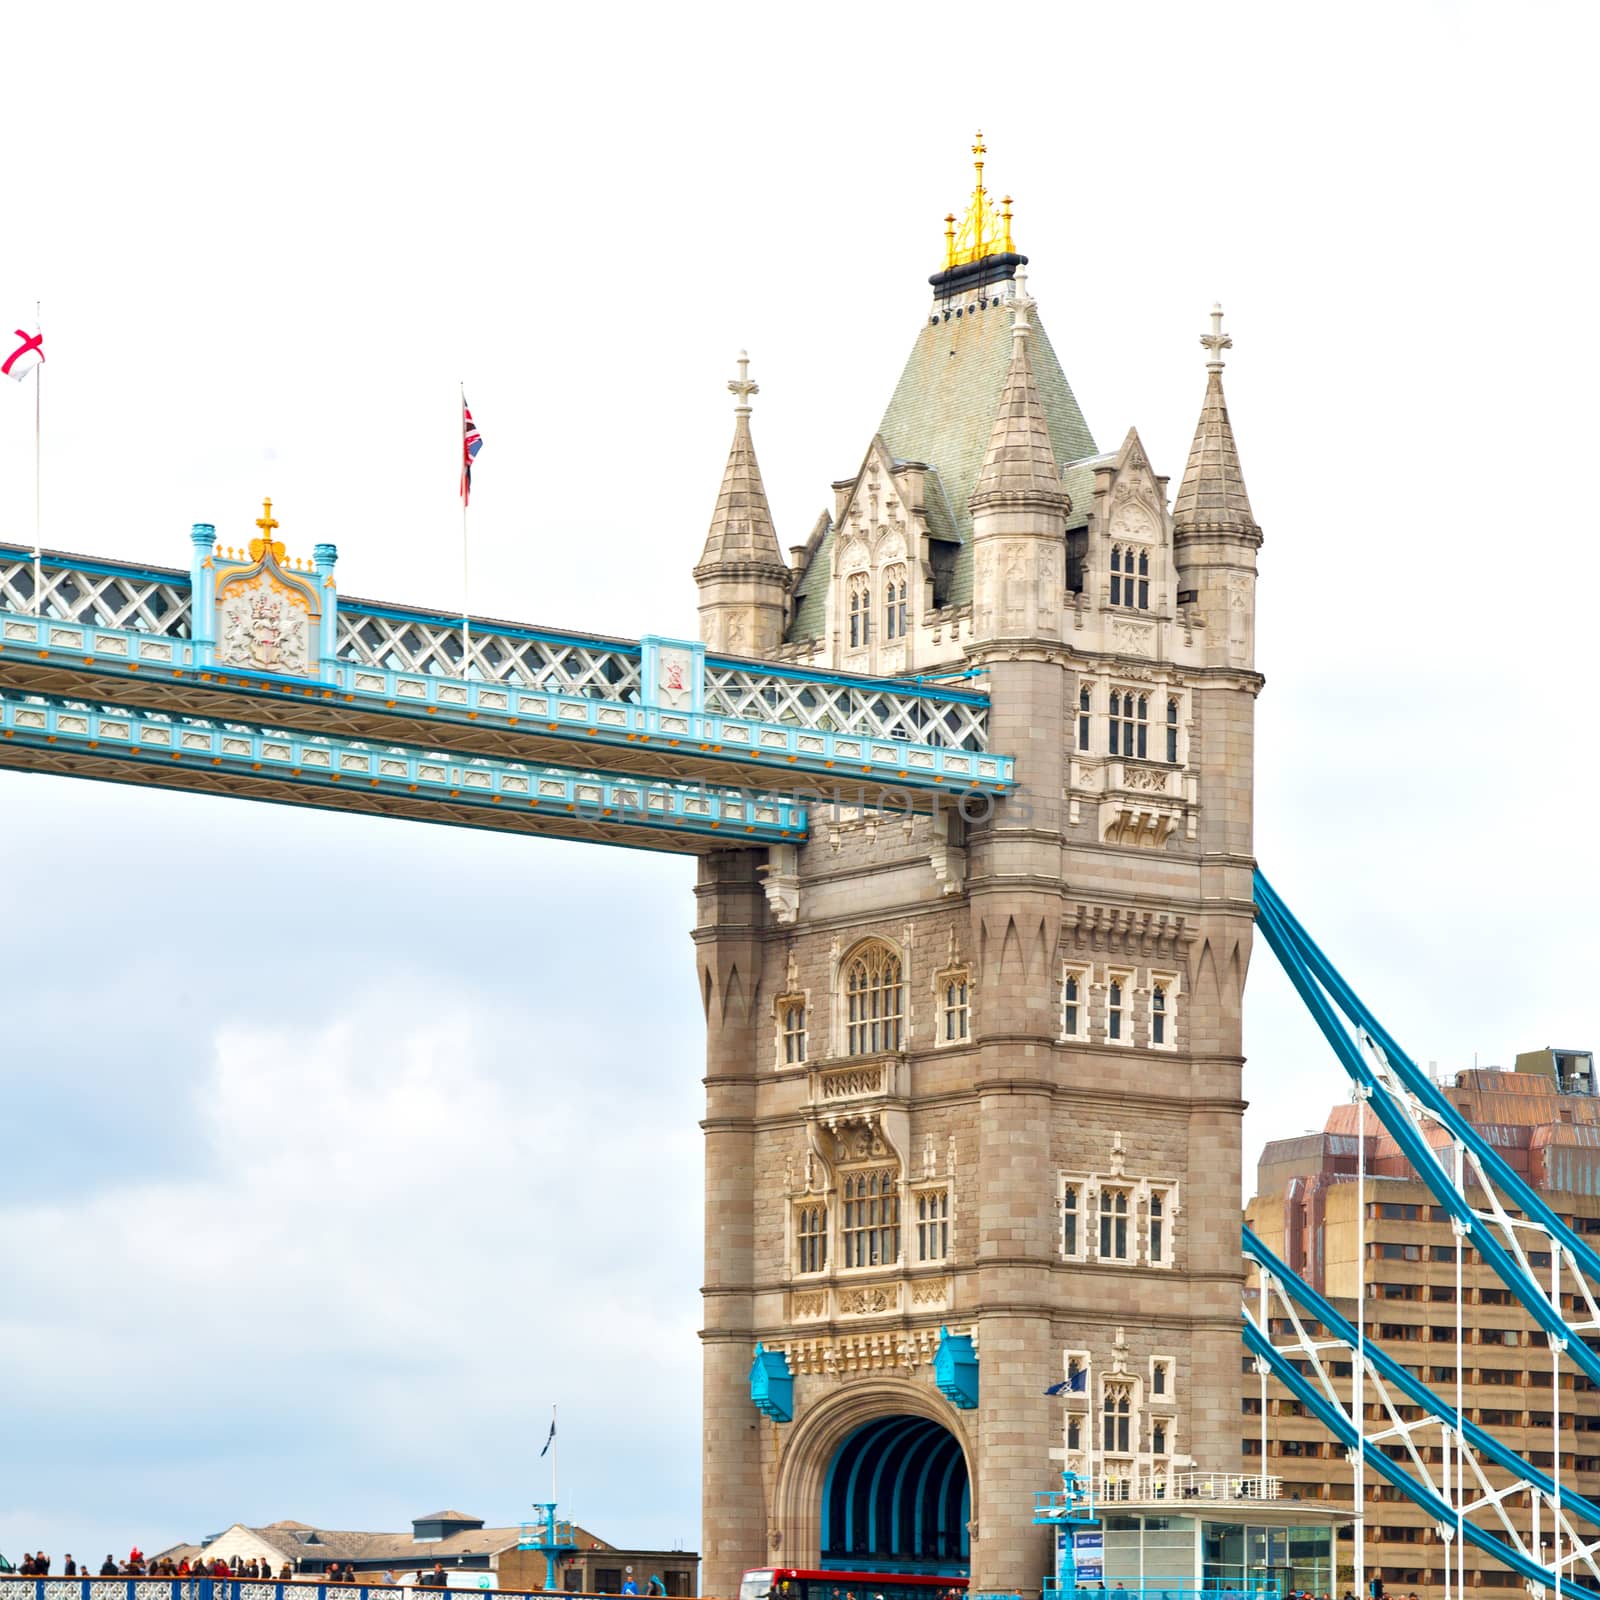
597	670
97	599
836	707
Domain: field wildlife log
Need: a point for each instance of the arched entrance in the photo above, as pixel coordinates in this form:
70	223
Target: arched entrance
896	1499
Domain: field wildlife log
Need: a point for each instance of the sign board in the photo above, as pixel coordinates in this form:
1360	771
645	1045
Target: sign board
1088	1557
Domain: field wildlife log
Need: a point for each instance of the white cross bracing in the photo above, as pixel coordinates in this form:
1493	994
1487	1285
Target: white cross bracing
844	708
596	669
99	599
409	645
1471	1487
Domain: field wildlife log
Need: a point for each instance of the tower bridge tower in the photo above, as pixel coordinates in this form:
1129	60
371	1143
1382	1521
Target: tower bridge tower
973	1080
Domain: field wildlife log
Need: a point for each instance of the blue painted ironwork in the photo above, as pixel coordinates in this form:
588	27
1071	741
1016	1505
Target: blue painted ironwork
553	1538
895	1498
772	1385
1408	1103
117	618
196	1587
313	762
955	1370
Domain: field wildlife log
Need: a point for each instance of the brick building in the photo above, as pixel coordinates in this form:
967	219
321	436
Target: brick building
1544	1118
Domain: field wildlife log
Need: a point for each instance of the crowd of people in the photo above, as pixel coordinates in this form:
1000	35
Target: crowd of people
37	1564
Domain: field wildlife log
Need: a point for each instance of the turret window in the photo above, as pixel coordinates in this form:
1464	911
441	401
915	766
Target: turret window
1130	577
1117	1415
933	1225
1114	1225
1074	1003
792	1029
1172	731
1071	1220
860	611
1084	706
1130	724
894	597
1163	1011
875	1000
954	1008
1116	1007
811	1237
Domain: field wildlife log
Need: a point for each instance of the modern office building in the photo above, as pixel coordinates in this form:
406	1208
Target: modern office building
1544	1118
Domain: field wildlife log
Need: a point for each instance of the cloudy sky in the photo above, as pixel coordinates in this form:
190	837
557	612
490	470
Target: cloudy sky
336	1151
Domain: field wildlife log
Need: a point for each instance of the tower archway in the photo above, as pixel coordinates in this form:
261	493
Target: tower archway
896	1498
878	1476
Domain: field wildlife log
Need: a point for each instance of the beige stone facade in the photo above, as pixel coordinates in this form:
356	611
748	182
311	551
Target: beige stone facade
1015	1033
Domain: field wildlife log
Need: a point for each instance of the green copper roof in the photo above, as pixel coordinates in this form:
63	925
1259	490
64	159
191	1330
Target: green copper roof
942	412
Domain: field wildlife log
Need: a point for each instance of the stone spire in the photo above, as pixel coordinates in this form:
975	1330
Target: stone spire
741	526
1020	463
742	577
1212	494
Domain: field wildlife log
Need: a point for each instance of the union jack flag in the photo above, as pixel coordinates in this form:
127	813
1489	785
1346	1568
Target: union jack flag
471	444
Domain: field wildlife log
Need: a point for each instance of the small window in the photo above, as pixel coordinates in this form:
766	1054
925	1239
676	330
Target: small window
1130	577
933	1225
1115	999
1160	1381
1163	1011
1114	1225
1074	1010
1129	734
1172	731
954	1011
860	611
1158	1437
1074	1431
811	1237
894	600
1071	1218
1117	1412
792	1029
1160	1237
1084	704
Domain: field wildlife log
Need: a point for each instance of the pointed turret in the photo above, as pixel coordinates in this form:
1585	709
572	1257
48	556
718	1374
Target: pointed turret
1215	536
1212	494
1020	464
1019	508
742	576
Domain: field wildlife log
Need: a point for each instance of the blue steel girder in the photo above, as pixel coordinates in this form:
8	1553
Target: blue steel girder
656	706
118	743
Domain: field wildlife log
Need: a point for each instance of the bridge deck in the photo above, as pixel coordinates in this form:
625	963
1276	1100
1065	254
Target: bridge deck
645	709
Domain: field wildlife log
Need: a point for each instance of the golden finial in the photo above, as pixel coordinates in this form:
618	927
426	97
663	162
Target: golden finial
266	522
985	231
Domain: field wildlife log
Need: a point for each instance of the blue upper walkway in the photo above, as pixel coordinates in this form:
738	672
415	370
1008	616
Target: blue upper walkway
278	680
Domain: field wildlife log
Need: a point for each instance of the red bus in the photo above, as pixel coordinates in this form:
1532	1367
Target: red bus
796	1583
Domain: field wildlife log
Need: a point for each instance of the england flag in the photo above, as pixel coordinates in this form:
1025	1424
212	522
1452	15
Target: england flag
27	354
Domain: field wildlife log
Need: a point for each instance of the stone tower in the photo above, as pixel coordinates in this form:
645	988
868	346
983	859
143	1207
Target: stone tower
973	1080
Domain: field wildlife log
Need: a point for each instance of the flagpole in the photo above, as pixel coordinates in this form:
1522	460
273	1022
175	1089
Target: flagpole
466	575
38	379
555	1452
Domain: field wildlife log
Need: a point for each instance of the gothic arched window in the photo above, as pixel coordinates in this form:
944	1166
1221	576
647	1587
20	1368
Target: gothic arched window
1117	1413
1130	724
860	610
874	1000
894	602
1130	577
1172	730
